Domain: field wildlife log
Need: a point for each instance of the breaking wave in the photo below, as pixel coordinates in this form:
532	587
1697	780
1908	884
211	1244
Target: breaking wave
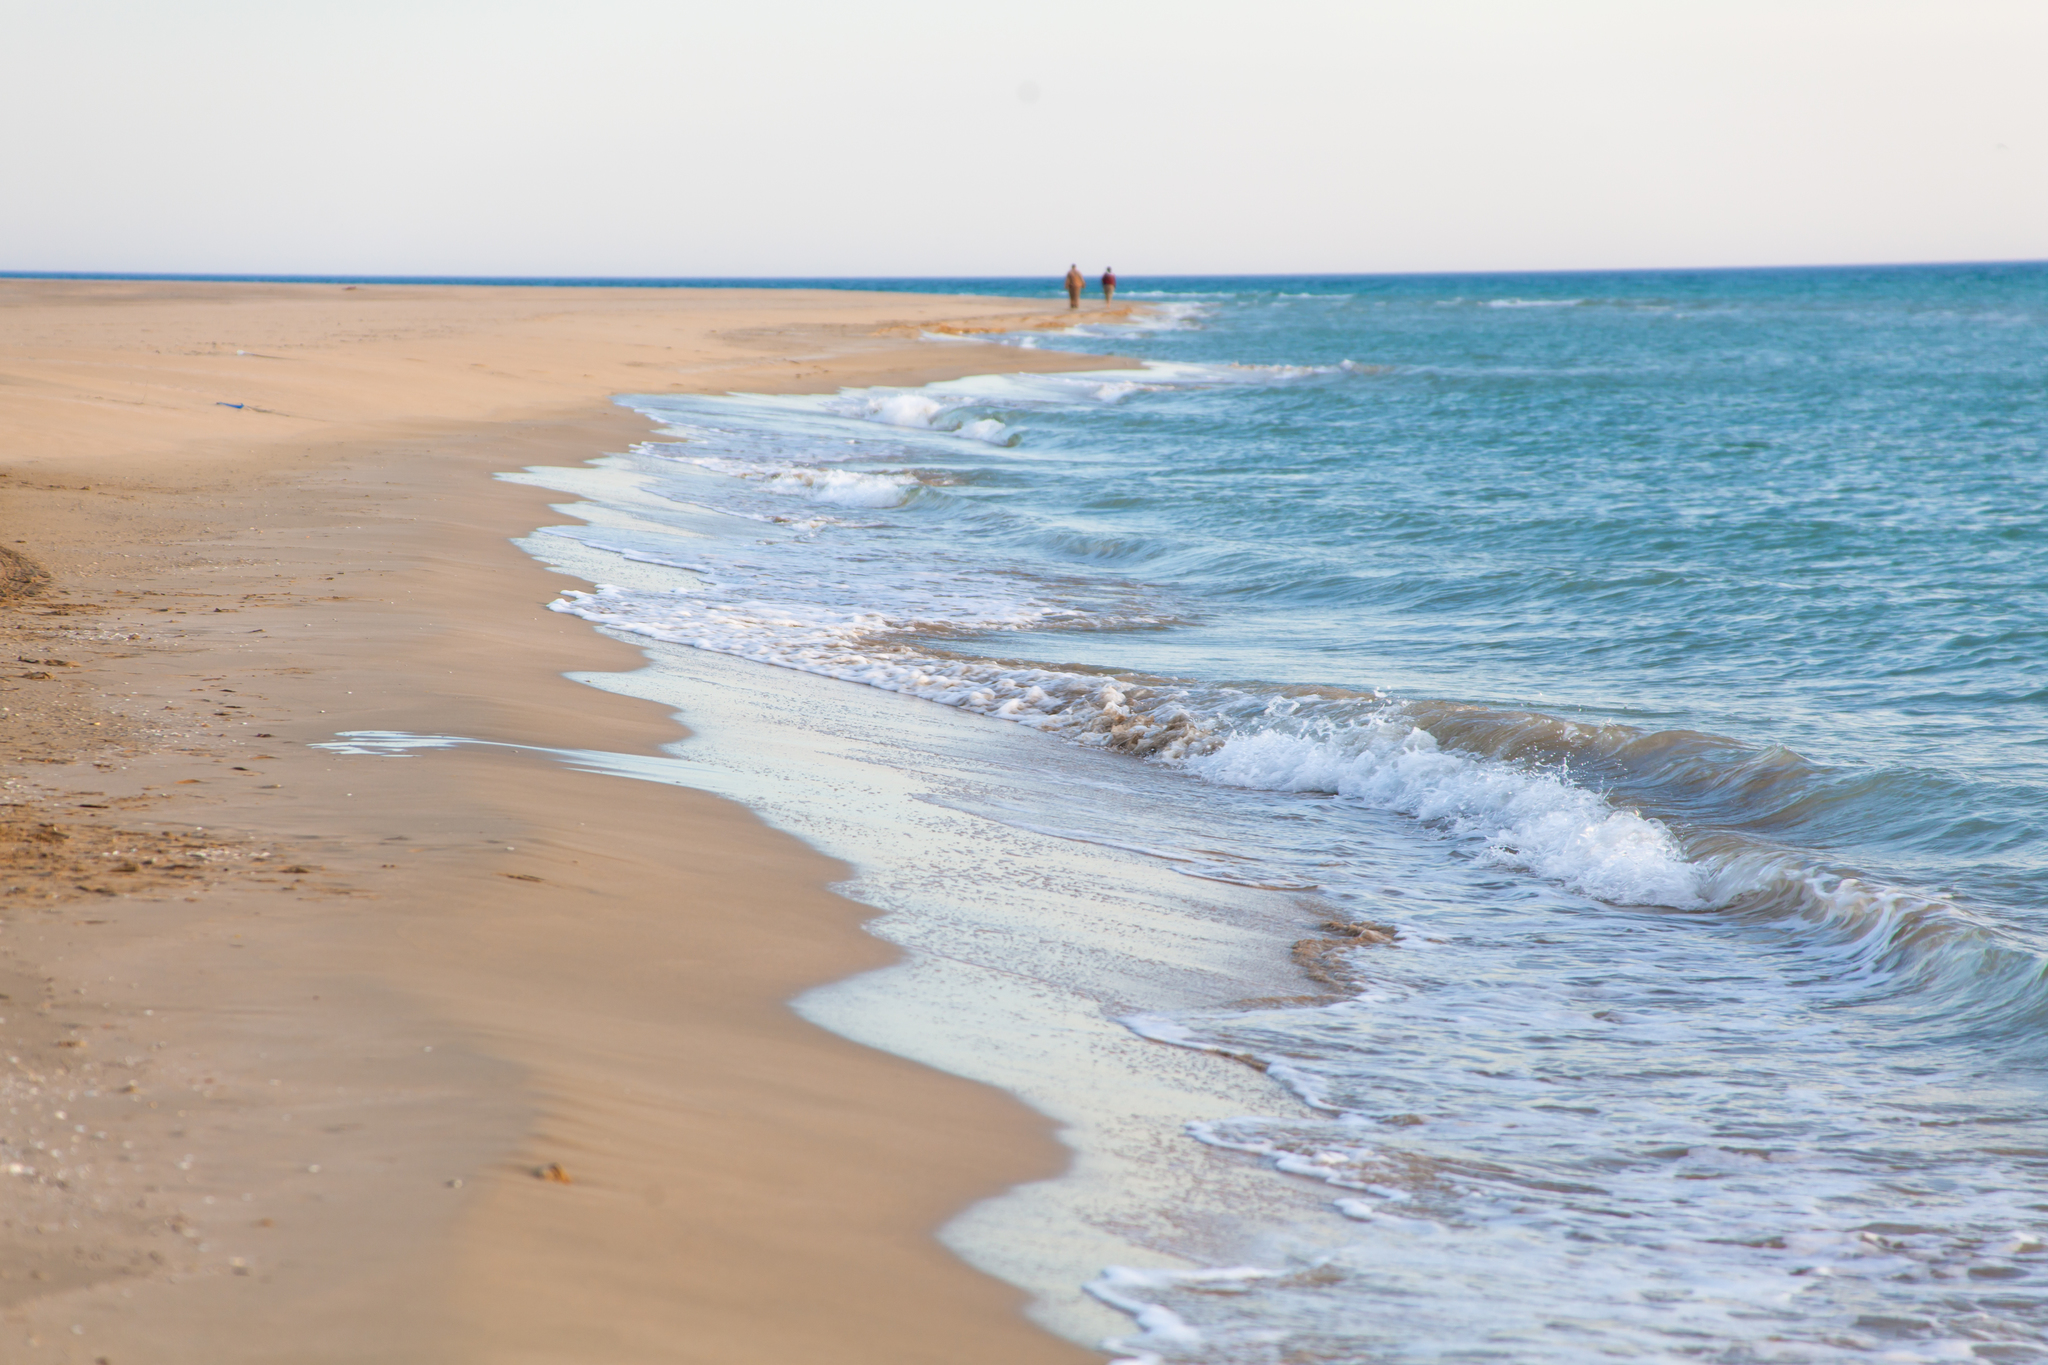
1511	808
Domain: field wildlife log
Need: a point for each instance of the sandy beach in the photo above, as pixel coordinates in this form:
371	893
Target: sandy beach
484	1059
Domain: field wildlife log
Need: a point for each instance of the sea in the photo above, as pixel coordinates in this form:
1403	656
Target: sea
1505	816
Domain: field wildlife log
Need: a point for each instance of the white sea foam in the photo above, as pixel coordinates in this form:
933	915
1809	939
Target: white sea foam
934	407
845	487
986	429
1655	1223
984	409
1530	820
901	409
921	410
1179	316
1129	1289
839	487
1374	755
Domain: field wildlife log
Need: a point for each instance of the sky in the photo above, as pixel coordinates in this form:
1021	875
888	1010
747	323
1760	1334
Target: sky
957	137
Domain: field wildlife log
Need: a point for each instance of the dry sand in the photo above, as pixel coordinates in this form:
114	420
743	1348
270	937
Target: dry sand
287	1035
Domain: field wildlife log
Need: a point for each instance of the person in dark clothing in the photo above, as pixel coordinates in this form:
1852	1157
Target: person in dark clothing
1109	284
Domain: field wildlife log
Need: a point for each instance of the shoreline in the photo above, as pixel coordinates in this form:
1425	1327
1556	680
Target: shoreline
325	1088
1025	947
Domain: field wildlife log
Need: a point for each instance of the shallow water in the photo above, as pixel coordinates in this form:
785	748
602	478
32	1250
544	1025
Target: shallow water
1644	672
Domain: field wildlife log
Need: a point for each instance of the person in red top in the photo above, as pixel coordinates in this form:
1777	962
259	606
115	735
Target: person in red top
1075	283
1109	284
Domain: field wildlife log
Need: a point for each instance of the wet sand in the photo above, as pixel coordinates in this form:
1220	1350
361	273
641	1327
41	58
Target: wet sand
289	1035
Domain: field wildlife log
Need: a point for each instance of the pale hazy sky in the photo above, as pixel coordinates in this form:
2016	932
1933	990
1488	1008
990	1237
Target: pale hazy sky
796	137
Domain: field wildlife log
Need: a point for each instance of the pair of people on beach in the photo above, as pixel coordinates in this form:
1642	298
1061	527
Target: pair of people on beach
1076	282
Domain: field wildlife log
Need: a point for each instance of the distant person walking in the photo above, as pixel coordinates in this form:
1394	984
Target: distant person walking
1075	284
1109	285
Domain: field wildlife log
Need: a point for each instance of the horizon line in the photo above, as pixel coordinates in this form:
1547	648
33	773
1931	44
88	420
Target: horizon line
689	281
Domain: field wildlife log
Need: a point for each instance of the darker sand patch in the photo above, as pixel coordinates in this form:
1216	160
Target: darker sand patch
19	575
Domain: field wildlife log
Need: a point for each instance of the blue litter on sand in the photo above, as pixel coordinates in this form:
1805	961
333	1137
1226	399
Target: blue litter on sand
217	403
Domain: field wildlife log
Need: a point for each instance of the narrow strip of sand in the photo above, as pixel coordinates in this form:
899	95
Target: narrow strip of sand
317	1058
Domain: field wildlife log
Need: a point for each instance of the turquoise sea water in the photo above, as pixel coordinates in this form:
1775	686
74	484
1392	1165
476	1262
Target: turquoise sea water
1658	661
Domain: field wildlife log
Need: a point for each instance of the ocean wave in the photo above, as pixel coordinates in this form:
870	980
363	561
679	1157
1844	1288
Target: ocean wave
1529	820
1484	780
981	408
839	487
922	411
1365	749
